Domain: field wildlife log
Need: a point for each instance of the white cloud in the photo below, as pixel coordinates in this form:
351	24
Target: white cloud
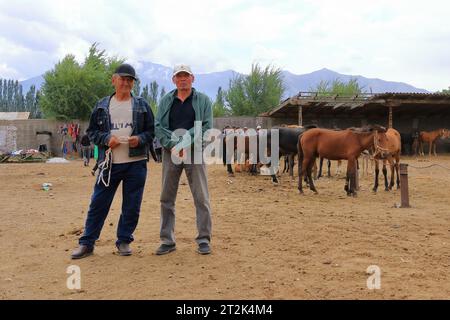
8	73
401	40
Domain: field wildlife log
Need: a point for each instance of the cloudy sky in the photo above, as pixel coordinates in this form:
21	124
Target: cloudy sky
407	41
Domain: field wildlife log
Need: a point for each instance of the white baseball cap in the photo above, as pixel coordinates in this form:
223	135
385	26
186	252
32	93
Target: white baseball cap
258	127
182	68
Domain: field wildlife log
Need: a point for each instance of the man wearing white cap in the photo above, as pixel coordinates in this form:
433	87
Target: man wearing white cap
182	108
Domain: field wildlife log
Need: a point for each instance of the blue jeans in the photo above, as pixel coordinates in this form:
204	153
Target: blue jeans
133	176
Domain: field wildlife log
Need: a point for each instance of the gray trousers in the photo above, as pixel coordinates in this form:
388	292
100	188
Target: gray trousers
198	183
86	152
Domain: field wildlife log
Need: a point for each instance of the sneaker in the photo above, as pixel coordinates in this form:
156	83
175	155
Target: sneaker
124	249
204	248
82	252
165	249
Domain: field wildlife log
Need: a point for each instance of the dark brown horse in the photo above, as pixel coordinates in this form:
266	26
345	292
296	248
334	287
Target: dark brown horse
431	138
394	149
337	145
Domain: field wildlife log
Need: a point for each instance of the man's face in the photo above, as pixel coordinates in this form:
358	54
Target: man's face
122	84
183	81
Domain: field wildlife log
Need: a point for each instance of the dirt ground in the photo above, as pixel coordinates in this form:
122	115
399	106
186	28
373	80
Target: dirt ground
269	242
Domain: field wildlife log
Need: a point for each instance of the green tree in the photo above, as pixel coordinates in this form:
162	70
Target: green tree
10	92
1	96
137	88
30	99
5	96
257	92
31	104
71	90
154	91
163	93
219	109
153	96
12	98
338	87
19	103
64	91
36	112
445	91
145	93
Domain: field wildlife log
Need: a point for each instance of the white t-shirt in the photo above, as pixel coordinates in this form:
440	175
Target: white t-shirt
122	127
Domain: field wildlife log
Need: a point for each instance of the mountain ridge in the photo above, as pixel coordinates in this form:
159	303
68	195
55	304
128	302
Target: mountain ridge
210	82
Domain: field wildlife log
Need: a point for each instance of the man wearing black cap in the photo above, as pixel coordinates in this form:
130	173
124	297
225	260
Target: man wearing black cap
122	126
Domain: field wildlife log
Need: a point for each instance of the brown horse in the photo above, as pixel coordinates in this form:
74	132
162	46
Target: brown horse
394	147
337	145
431	138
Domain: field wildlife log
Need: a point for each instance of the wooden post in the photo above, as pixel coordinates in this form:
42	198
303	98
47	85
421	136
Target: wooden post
357	175
390	117
404	185
300	115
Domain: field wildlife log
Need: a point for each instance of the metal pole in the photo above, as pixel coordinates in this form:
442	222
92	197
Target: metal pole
404	185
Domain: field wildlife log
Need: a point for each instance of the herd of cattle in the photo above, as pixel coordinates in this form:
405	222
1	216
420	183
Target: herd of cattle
308	143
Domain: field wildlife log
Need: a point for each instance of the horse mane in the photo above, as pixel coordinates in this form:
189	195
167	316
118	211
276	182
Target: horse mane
360	130
310	126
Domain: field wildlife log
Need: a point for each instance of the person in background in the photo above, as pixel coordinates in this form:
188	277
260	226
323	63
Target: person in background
158	150
86	149
94	169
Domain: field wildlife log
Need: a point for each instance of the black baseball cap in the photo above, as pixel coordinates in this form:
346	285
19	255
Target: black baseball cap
126	70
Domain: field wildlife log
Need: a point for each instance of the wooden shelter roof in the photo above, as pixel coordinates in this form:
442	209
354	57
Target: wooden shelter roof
401	103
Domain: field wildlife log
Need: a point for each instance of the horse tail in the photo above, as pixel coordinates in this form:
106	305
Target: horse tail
299	147
300	150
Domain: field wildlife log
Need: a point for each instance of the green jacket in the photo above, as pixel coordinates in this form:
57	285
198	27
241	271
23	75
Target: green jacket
203	112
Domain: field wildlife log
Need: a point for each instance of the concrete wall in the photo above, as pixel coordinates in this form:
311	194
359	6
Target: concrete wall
21	134
249	122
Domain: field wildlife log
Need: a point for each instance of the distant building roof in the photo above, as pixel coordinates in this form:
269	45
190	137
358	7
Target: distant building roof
14	115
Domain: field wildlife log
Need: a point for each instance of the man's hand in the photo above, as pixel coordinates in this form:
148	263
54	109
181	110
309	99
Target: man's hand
180	154
113	142
133	141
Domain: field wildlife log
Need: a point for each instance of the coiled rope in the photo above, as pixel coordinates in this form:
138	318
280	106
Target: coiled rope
105	166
